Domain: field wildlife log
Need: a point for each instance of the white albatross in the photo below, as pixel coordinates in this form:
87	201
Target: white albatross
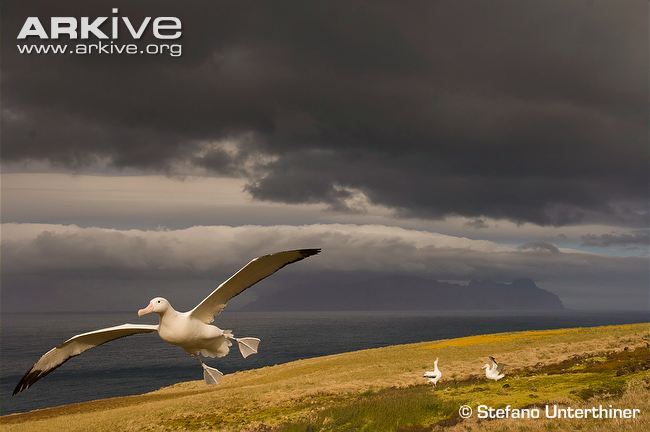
189	330
434	375
493	371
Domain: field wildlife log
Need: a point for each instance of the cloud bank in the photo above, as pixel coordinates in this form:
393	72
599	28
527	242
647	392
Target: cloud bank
627	239
69	252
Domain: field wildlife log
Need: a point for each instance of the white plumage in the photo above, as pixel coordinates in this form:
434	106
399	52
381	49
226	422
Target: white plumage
433	376
493	371
189	330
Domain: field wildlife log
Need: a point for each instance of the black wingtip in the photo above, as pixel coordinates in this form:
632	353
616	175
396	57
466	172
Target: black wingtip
23	384
30	378
309	252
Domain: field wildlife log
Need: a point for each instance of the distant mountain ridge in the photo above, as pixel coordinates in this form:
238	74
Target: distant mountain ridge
399	292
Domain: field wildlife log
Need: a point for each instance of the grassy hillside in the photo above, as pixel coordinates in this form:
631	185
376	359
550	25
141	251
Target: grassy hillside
383	389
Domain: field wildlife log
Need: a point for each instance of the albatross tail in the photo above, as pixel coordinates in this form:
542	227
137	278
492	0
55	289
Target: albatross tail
247	345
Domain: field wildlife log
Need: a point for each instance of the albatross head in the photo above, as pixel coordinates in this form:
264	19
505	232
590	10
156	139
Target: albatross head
158	305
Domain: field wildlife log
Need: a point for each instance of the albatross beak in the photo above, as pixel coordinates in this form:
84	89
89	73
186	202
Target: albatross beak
146	310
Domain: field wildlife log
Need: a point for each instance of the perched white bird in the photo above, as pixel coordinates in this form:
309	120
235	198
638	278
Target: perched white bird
493	371
433	376
189	330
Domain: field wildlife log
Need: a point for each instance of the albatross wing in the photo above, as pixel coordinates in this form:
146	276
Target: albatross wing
75	346
249	275
496	366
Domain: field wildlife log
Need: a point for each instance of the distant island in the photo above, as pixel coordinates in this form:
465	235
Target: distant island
400	292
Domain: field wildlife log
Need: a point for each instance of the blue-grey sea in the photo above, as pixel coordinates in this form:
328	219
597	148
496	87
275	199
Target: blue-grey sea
143	363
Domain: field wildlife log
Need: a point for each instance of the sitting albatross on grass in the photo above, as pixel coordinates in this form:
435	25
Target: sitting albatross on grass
189	330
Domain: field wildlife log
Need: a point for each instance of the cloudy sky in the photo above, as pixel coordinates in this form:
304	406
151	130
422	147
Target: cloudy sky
453	140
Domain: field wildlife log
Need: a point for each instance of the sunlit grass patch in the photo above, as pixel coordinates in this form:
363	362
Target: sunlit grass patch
422	407
383	410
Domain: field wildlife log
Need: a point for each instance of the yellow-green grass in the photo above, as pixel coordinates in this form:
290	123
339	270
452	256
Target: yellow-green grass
382	389
424	407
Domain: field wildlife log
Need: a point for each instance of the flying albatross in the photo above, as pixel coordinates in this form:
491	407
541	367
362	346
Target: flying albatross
493	371
189	330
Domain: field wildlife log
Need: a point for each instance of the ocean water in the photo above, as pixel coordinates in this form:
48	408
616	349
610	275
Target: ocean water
144	363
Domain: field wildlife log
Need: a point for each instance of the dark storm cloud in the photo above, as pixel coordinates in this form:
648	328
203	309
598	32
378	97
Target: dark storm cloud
478	223
526	110
633	239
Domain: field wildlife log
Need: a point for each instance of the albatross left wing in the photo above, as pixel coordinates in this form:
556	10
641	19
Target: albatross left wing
253	272
75	346
496	366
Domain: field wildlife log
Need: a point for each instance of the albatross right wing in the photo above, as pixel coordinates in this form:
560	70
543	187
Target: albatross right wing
75	346
253	272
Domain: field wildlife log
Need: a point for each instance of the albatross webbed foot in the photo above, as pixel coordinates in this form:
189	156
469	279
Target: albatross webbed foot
248	345
211	375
